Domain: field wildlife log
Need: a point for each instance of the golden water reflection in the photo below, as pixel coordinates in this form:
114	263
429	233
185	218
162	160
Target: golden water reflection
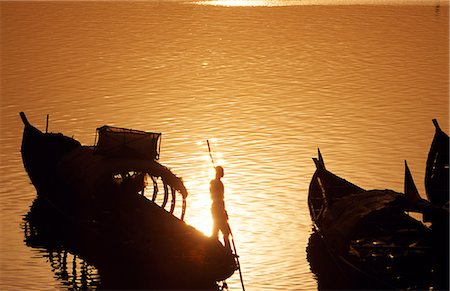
358	82
199	188
248	3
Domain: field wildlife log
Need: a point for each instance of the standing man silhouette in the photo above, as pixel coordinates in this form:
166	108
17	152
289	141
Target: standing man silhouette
219	214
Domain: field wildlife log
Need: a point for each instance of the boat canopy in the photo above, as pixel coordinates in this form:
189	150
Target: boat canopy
349	213
122	142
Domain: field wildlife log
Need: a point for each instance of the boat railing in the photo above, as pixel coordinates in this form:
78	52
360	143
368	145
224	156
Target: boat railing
167	191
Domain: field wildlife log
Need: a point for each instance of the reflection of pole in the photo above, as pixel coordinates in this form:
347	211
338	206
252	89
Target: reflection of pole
237	259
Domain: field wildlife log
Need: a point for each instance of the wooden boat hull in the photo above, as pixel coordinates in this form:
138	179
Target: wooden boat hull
100	217
369	234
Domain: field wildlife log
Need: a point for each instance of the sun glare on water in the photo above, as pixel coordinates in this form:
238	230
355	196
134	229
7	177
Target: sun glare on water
247	3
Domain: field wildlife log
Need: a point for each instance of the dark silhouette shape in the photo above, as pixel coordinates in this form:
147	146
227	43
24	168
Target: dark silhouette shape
437	189
437	169
369	237
91	208
219	214
410	189
220	196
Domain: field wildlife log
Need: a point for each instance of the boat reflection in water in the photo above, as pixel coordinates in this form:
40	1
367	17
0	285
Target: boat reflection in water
80	263
41	230
332	273
328	274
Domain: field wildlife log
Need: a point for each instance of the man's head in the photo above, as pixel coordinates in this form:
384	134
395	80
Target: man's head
219	172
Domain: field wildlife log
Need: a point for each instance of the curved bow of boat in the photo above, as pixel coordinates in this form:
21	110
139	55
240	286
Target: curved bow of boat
437	168
326	188
42	151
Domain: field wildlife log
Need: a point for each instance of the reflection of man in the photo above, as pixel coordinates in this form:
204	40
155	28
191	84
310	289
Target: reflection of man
219	214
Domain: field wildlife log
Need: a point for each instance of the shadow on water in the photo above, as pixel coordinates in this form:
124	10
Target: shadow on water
44	230
78	267
81	259
328	274
72	271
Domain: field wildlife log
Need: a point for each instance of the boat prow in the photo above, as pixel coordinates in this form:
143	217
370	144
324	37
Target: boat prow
326	188
437	169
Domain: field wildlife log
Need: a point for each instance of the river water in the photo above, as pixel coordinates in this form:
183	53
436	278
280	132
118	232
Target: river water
267	82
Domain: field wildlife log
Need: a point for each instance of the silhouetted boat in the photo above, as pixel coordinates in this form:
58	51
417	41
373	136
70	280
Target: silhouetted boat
437	174
97	194
437	188
368	234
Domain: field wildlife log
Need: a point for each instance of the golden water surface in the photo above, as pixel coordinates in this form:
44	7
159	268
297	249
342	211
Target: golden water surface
266	84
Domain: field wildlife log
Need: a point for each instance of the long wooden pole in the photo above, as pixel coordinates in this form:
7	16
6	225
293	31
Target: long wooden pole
210	154
46	125
237	258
